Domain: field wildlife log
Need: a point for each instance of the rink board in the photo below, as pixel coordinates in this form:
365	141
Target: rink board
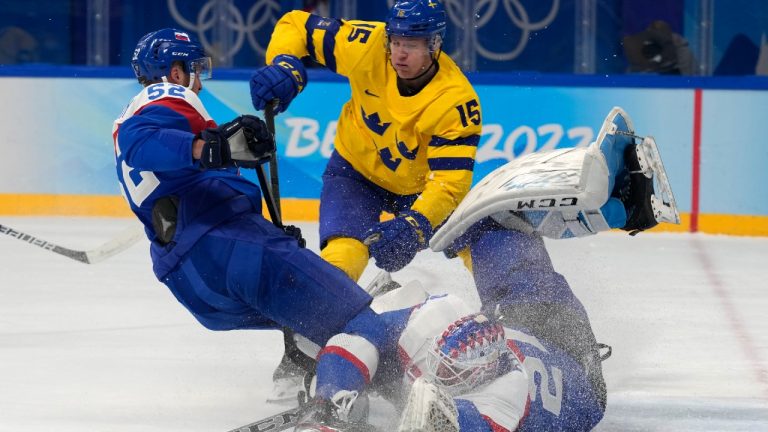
67	167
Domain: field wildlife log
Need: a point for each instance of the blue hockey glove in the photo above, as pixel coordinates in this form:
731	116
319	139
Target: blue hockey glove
283	80
394	243
244	141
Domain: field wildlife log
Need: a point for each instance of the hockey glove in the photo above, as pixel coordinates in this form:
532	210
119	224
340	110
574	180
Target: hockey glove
394	243
283	80
245	142
295	232
260	144
216	152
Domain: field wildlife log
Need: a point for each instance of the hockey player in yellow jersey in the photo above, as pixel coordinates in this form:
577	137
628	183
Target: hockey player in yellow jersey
405	141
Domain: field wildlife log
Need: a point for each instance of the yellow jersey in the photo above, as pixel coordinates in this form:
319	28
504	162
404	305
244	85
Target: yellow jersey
422	144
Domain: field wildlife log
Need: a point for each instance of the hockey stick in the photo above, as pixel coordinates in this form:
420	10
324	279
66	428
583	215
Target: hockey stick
125	239
269	118
287	420
271	190
274	423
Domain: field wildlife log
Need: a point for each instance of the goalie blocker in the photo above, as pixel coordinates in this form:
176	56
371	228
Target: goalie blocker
618	181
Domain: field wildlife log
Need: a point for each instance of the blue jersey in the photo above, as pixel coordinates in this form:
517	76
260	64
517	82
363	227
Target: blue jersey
541	388
153	155
561	395
515	278
546	326
230	267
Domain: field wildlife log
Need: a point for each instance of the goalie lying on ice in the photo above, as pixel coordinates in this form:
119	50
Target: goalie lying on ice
452	368
446	366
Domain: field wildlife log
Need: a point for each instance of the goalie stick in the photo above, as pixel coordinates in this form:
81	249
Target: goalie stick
287	420
125	239
274	423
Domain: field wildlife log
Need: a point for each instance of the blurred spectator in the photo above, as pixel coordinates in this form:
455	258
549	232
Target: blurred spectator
658	49
762	59
18	46
317	7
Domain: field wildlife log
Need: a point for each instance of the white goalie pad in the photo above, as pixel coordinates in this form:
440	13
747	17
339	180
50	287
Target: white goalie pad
562	189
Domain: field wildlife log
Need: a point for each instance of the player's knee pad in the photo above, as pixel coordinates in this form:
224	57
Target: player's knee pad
348	254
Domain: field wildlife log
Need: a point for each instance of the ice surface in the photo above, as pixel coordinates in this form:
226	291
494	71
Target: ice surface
106	347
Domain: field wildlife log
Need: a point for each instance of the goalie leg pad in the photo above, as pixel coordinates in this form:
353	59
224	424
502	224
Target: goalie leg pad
614	136
555	193
556	224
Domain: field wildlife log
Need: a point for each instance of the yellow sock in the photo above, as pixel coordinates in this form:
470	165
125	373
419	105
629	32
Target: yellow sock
348	254
466	256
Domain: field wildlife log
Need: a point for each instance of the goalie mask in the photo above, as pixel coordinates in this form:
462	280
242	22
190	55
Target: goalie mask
157	51
466	354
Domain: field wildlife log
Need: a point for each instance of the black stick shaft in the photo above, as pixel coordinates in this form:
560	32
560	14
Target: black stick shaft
269	118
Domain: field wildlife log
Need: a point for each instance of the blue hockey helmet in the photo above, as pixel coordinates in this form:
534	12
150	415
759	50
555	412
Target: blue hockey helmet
417	18
156	51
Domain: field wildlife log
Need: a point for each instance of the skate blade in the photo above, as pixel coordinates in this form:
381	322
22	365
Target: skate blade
662	201
285	392
381	284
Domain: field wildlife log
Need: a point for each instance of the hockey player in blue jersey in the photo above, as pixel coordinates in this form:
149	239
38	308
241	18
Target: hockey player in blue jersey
528	362
547	375
210	244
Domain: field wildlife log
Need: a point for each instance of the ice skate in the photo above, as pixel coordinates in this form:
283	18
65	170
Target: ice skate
287	382
285	390
345	412
646	192
382	283
429	409
641	181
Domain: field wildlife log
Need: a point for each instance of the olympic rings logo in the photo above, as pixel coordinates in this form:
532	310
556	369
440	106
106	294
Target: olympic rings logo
265	13
262	13
484	10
